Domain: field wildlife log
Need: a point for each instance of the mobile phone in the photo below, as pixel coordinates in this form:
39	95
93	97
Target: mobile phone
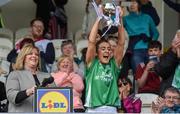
126	4
153	58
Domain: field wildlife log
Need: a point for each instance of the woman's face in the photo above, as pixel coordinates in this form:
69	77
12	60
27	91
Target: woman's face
134	6
32	59
104	52
124	86
66	65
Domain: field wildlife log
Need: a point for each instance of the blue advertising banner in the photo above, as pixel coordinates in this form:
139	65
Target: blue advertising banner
53	100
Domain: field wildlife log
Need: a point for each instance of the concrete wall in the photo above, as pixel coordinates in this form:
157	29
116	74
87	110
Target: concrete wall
18	13
171	24
158	4
75	10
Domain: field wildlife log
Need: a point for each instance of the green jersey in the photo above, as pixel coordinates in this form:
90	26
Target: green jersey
101	84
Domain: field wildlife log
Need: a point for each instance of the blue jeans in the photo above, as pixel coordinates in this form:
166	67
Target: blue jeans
138	56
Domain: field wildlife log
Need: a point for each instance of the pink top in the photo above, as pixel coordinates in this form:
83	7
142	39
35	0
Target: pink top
73	80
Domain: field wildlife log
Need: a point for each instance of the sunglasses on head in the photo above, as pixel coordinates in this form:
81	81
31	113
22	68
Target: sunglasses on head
123	82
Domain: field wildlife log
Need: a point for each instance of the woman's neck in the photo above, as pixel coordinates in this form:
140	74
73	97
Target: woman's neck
135	12
31	69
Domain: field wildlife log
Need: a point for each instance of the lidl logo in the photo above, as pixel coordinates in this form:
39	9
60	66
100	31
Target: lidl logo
53	102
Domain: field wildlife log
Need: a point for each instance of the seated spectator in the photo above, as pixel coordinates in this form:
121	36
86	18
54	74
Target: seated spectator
45	46
11	57
130	103
68	49
21	82
169	66
66	77
148	8
148	81
168	103
43	9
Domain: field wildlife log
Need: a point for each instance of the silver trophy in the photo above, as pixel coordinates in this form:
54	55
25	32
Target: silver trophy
109	11
110	15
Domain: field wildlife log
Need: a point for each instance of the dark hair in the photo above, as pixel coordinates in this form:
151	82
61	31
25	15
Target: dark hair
83	52
127	81
99	42
113	38
99	32
67	42
60	2
25	41
139	4
36	19
155	44
171	89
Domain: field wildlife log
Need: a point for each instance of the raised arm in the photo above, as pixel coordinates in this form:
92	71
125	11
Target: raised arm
169	61
118	52
91	50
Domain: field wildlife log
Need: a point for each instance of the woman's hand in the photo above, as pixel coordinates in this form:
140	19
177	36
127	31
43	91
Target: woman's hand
30	91
123	91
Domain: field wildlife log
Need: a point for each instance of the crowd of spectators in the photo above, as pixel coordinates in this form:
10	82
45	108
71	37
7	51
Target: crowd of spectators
99	79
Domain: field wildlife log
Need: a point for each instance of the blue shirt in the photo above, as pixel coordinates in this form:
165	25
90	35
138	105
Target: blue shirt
174	109
136	24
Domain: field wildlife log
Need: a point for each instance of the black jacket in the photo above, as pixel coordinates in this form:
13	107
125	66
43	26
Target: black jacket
44	7
166	69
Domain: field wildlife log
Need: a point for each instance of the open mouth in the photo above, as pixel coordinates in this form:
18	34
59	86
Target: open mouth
105	57
65	66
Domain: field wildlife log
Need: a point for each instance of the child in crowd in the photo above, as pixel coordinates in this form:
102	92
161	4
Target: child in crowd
130	103
148	81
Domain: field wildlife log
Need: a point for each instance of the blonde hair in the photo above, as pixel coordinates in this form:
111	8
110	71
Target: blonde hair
62	58
27	49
